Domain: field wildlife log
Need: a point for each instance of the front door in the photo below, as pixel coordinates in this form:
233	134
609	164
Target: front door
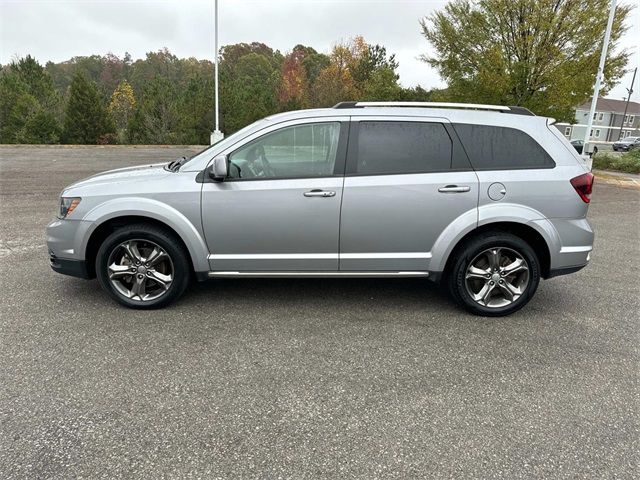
407	180
279	210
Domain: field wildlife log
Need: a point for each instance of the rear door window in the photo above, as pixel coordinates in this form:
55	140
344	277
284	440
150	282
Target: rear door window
386	148
501	148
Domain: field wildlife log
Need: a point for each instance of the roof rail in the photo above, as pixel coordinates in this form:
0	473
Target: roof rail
466	106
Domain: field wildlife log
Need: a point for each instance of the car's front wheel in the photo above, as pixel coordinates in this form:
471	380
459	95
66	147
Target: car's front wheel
495	274
143	266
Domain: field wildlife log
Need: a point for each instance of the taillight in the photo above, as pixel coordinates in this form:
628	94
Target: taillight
583	185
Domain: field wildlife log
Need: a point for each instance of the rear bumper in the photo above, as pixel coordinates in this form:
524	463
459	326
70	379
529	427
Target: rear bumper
74	268
564	271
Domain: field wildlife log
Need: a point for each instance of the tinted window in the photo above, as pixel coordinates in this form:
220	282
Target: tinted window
402	147
299	151
499	148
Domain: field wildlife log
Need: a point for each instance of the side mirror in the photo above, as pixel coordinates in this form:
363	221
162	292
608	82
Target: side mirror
219	170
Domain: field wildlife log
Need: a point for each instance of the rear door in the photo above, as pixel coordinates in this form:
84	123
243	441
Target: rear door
407	179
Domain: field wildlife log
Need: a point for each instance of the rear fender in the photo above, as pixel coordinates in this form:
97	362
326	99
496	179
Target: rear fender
486	215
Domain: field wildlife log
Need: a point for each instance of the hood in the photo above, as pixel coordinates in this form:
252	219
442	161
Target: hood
140	173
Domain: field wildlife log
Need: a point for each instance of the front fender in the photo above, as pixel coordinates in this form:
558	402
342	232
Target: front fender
150	208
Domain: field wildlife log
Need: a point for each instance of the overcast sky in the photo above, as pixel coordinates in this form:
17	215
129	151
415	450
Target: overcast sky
60	29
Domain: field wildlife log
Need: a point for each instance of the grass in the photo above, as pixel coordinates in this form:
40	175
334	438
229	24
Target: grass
628	162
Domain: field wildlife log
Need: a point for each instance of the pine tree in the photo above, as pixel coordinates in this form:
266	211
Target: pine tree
86	119
29	104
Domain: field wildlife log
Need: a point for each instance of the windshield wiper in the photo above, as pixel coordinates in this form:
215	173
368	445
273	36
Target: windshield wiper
176	164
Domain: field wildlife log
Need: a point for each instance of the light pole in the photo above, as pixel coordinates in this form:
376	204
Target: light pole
599	75
216	135
626	105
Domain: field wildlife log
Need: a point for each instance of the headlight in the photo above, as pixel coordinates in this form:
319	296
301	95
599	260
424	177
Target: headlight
68	205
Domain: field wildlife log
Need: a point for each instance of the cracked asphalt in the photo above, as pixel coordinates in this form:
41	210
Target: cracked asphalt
286	378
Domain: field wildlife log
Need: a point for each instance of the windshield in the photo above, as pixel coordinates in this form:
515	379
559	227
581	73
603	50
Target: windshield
226	141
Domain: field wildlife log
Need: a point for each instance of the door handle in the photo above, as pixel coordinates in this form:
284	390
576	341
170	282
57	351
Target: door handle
454	189
319	193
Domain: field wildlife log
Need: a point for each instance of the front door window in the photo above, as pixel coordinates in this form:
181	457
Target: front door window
301	151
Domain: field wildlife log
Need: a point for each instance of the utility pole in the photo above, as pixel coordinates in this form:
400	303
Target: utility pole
626	105
216	135
599	75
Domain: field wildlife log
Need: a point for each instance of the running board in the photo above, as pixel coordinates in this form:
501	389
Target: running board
267	274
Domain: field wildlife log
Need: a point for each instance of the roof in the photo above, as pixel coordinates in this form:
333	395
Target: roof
612	105
453	115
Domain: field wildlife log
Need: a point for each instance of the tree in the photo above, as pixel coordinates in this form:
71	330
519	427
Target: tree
86	119
121	107
293	91
195	110
313	64
371	59
112	73
382	85
156	119
29	104
540	54
248	84
357	71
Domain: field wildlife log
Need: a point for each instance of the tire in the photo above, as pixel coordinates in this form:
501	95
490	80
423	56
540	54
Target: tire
463	282
165	277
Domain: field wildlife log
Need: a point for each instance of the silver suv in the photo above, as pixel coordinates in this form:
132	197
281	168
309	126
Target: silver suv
484	198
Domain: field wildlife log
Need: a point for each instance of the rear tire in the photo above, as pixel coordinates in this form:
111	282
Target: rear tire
143	266
494	275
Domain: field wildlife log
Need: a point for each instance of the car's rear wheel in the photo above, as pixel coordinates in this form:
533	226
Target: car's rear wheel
143	266
495	274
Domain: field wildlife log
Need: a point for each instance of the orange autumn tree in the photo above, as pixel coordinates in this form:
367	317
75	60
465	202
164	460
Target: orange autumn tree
293	92
357	71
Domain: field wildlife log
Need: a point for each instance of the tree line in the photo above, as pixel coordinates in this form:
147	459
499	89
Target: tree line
163	99
540	54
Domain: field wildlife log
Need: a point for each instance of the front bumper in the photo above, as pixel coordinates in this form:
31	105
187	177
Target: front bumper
66	254
74	268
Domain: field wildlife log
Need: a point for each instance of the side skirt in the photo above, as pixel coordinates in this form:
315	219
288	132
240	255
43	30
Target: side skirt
267	274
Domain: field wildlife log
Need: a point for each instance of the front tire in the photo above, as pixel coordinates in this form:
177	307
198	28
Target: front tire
494	275
143	266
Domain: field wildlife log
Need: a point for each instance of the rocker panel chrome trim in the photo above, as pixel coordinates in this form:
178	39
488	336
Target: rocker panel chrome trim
329	274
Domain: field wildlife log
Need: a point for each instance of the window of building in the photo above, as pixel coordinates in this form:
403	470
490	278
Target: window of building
498	148
597	133
627	133
567	131
631	119
600	116
595	114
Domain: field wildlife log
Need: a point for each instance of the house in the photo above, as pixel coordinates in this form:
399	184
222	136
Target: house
607	120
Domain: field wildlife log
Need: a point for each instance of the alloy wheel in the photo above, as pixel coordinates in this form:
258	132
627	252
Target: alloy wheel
140	270
497	277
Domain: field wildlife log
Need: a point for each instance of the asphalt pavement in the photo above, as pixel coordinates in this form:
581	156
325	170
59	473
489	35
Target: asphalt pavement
322	378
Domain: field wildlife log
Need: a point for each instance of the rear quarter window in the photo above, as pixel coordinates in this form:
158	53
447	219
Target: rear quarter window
501	148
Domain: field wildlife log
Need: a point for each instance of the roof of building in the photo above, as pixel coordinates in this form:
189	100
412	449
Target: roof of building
612	105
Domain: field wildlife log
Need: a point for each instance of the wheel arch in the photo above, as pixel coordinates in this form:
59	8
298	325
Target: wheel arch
525	231
106	218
